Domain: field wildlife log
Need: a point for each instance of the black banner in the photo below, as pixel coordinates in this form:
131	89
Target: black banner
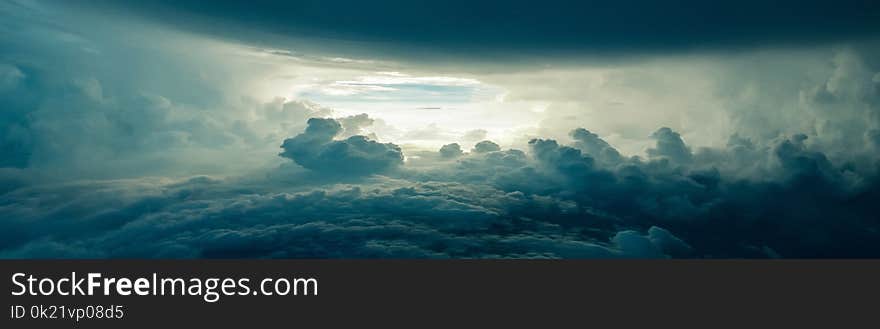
456	293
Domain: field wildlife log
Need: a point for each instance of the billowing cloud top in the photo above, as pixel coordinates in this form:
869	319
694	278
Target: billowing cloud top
315	149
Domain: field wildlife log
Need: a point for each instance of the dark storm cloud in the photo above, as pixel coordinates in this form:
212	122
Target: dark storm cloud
317	150
530	27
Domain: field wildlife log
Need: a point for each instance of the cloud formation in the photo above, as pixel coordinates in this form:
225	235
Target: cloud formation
317	150
451	151
550	201
485	147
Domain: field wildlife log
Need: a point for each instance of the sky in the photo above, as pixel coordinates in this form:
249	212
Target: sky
428	129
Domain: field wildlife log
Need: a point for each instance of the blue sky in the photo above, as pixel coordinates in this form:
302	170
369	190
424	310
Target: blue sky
439	129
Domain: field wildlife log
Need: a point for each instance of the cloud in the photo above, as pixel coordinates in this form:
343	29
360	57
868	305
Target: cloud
557	27
451	150
296	112
78	100
317	150
595	146
205	217
355	124
485	147
550	201
670	146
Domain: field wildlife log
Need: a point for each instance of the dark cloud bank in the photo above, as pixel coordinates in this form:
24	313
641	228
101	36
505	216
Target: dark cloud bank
518	26
357	198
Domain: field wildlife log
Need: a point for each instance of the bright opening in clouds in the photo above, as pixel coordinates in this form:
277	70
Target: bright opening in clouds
420	111
346	129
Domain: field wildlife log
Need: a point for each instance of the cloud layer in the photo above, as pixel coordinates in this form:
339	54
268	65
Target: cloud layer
551	200
518	27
